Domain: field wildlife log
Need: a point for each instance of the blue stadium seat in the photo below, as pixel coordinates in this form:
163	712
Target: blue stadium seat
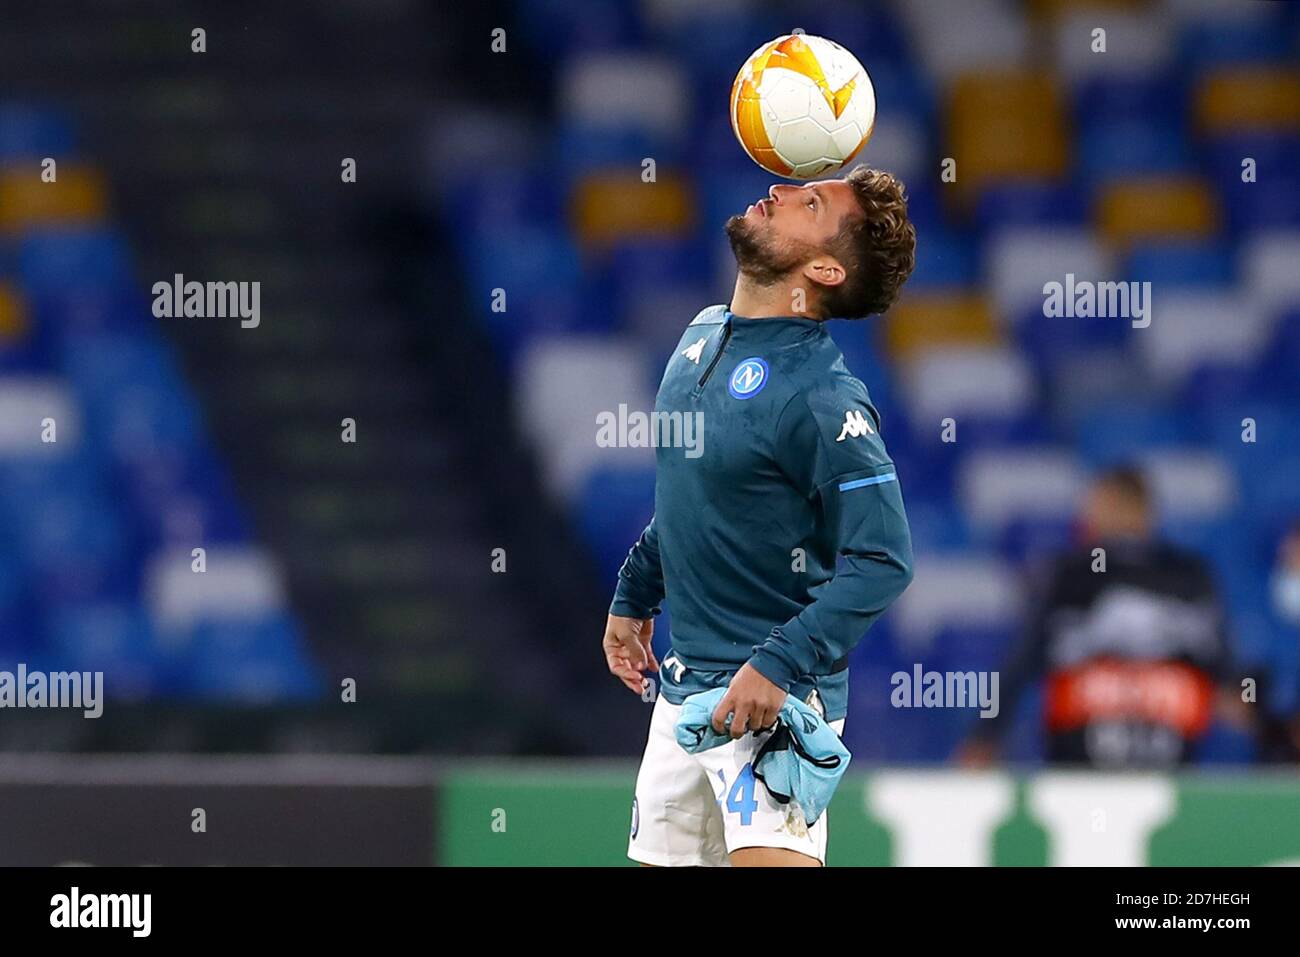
555	29
634	268
900	89
1275	375
1119	148
1048	338
1274	489
1274	429
1223	41
133	395
712	40
935	521
115	637
1116	96
579	149
67	312
1181	264
1026	538
543	291
30	132
971	648
924	207
514	194
16	613
1217	383
76	545
727	192
1273	199
253	661
183	502
1125	430
863	360
60	259
614	508
1029	203
945	259
31	353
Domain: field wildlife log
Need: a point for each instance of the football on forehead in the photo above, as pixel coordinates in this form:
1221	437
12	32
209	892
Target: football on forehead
802	106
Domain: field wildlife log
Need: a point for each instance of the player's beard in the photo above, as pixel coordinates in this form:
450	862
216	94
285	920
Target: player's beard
759	258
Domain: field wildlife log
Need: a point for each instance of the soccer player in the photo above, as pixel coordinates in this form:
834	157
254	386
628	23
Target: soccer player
745	538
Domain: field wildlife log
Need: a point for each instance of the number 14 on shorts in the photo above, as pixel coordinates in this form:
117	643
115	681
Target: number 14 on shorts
740	799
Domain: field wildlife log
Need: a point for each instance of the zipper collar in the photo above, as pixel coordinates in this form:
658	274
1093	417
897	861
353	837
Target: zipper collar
772	330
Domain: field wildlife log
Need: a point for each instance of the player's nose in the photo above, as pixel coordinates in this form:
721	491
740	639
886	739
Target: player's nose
776	192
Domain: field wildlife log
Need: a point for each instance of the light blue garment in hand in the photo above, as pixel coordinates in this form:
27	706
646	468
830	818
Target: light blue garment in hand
801	761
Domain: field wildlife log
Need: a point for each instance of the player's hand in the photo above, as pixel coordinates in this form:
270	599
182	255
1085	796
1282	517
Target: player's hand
752	700
627	649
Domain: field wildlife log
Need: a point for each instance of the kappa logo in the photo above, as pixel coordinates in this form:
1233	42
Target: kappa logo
695	350
855	426
748	378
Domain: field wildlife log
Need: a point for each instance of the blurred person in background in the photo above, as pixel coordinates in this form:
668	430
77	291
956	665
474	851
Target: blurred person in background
1128	635
1286	605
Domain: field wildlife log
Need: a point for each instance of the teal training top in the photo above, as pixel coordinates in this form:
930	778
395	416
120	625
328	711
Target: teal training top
783	537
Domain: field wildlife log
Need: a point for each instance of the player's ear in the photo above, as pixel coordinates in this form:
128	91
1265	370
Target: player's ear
825	271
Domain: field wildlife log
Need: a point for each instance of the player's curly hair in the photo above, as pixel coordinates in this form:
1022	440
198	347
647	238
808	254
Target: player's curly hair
877	250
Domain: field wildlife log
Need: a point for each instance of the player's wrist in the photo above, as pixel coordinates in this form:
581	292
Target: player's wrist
769	663
624	607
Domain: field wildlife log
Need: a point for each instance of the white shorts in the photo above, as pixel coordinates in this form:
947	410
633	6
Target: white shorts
692	810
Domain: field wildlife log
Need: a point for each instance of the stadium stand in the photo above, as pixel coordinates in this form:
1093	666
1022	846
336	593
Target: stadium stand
1128	172
108	478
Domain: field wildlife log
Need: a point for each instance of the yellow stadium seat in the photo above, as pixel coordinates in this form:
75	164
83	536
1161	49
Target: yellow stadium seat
611	206
1056	8
1243	99
1180	207
77	196
13	316
932	320
1005	126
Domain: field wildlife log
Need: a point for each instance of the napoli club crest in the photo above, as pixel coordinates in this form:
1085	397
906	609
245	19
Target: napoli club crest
748	378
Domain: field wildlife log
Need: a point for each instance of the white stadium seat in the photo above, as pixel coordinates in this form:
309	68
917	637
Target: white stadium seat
1137	43
988	382
25	402
239	583
1270	270
649	92
564	383
1190	484
1191	329
963	36
960	590
997	486
1022	260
